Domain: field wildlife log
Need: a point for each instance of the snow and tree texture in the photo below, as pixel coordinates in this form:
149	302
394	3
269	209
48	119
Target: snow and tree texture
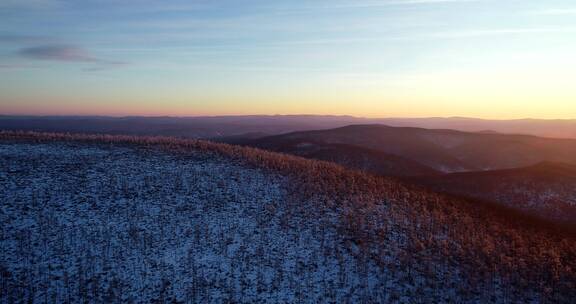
108	219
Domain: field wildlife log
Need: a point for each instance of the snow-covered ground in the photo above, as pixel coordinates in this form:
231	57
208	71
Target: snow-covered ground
89	222
121	224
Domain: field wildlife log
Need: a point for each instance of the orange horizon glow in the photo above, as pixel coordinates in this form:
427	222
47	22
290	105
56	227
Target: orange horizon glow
183	111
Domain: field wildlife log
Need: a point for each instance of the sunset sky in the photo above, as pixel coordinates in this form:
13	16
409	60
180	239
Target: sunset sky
372	58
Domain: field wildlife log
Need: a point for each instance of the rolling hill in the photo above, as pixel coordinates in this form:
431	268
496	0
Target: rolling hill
552	128
156	219
355	157
446	151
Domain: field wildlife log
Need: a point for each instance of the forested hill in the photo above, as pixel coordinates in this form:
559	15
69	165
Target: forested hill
155	219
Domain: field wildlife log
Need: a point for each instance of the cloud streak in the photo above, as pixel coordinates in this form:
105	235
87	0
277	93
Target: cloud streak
24	39
14	66
504	31
57	53
376	4
29	4
63	53
555	12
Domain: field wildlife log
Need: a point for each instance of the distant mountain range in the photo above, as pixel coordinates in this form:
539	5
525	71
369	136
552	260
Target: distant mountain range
445	151
555	128
532	174
264	125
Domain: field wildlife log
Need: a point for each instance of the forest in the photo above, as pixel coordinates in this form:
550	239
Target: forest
111	218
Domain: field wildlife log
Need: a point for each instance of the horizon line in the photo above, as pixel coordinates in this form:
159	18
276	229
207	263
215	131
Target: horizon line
276	115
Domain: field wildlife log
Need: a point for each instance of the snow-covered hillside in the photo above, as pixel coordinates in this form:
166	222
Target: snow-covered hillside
101	223
110	222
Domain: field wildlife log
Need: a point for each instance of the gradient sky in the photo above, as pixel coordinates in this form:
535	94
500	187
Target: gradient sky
373	58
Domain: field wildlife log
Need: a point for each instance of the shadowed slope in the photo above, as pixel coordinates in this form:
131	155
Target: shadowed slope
547	189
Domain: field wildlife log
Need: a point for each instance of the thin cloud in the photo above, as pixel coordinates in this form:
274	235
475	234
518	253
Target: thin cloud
64	53
103	66
555	12
24	39
413	2
13	66
29	4
57	53
374	4
496	32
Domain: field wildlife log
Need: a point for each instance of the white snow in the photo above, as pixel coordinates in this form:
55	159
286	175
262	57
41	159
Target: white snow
91	222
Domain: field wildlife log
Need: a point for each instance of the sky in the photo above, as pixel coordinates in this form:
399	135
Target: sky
498	59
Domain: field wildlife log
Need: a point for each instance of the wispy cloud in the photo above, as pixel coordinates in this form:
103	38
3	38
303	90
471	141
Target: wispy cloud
29	4
57	52
413	2
25	39
67	53
506	31
14	66
386	3
554	11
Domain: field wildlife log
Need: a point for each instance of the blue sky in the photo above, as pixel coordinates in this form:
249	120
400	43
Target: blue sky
484	58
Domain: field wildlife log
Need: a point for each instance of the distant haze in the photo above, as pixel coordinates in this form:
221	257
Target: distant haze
540	127
263	125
